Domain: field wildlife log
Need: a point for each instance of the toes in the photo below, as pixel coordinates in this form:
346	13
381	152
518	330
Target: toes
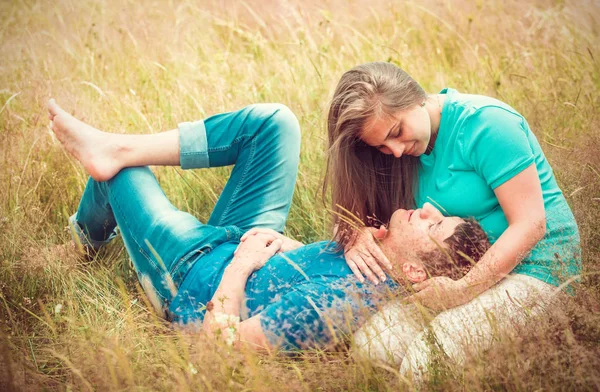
53	108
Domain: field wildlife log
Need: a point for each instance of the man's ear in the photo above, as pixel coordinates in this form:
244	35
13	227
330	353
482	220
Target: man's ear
414	272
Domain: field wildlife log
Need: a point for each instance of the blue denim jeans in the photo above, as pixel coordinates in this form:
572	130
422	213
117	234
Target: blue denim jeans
262	141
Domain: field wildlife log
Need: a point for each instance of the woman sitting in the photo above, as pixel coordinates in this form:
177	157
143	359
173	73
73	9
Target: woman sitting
394	146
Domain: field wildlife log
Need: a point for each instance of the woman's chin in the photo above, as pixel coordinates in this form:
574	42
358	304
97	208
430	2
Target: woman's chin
417	150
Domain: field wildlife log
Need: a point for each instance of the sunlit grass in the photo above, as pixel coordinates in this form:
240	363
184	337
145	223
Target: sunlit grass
138	67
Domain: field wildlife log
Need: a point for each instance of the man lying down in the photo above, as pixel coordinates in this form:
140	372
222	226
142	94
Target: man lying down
308	297
273	292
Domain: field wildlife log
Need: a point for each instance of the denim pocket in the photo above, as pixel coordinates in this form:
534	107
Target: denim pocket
183	265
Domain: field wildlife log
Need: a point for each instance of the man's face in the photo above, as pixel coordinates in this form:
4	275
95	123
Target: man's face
413	232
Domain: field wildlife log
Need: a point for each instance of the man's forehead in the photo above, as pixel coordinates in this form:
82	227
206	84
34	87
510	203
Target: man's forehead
456	219
448	226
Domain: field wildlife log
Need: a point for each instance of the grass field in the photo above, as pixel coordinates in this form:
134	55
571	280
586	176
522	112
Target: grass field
139	67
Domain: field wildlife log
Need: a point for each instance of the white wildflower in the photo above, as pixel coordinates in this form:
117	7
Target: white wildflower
57	308
225	319
192	369
228	325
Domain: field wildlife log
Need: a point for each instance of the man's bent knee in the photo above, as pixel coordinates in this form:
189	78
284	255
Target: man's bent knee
281	119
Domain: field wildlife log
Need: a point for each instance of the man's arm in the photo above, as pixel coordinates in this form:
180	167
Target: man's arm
252	334
222	318
223	312
287	243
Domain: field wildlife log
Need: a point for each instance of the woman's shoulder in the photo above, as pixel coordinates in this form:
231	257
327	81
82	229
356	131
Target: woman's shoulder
479	127
473	108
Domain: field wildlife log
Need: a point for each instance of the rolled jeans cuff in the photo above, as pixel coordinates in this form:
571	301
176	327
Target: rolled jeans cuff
79	237
193	145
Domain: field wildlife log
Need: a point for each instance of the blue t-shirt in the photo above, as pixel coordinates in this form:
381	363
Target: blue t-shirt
481	144
306	298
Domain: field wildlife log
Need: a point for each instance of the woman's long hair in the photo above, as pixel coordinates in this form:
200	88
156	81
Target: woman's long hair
367	185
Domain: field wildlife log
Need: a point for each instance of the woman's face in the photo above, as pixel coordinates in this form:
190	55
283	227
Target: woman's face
405	132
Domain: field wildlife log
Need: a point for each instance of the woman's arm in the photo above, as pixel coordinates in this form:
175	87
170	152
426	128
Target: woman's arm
364	256
523	205
222	318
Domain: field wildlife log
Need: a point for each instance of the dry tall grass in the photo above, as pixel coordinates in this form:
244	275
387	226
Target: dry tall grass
136	67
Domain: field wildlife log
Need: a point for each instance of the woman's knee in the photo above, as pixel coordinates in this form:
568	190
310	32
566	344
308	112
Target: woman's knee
445	337
386	336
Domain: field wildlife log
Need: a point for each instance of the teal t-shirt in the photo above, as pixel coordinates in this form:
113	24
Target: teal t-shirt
481	144
306	298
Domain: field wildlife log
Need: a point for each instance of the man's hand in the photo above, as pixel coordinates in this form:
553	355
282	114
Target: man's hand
254	252
441	293
364	256
287	243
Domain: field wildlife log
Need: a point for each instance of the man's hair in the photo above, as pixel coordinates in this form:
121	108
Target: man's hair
459	252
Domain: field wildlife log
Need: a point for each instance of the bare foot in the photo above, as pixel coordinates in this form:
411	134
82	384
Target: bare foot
95	149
